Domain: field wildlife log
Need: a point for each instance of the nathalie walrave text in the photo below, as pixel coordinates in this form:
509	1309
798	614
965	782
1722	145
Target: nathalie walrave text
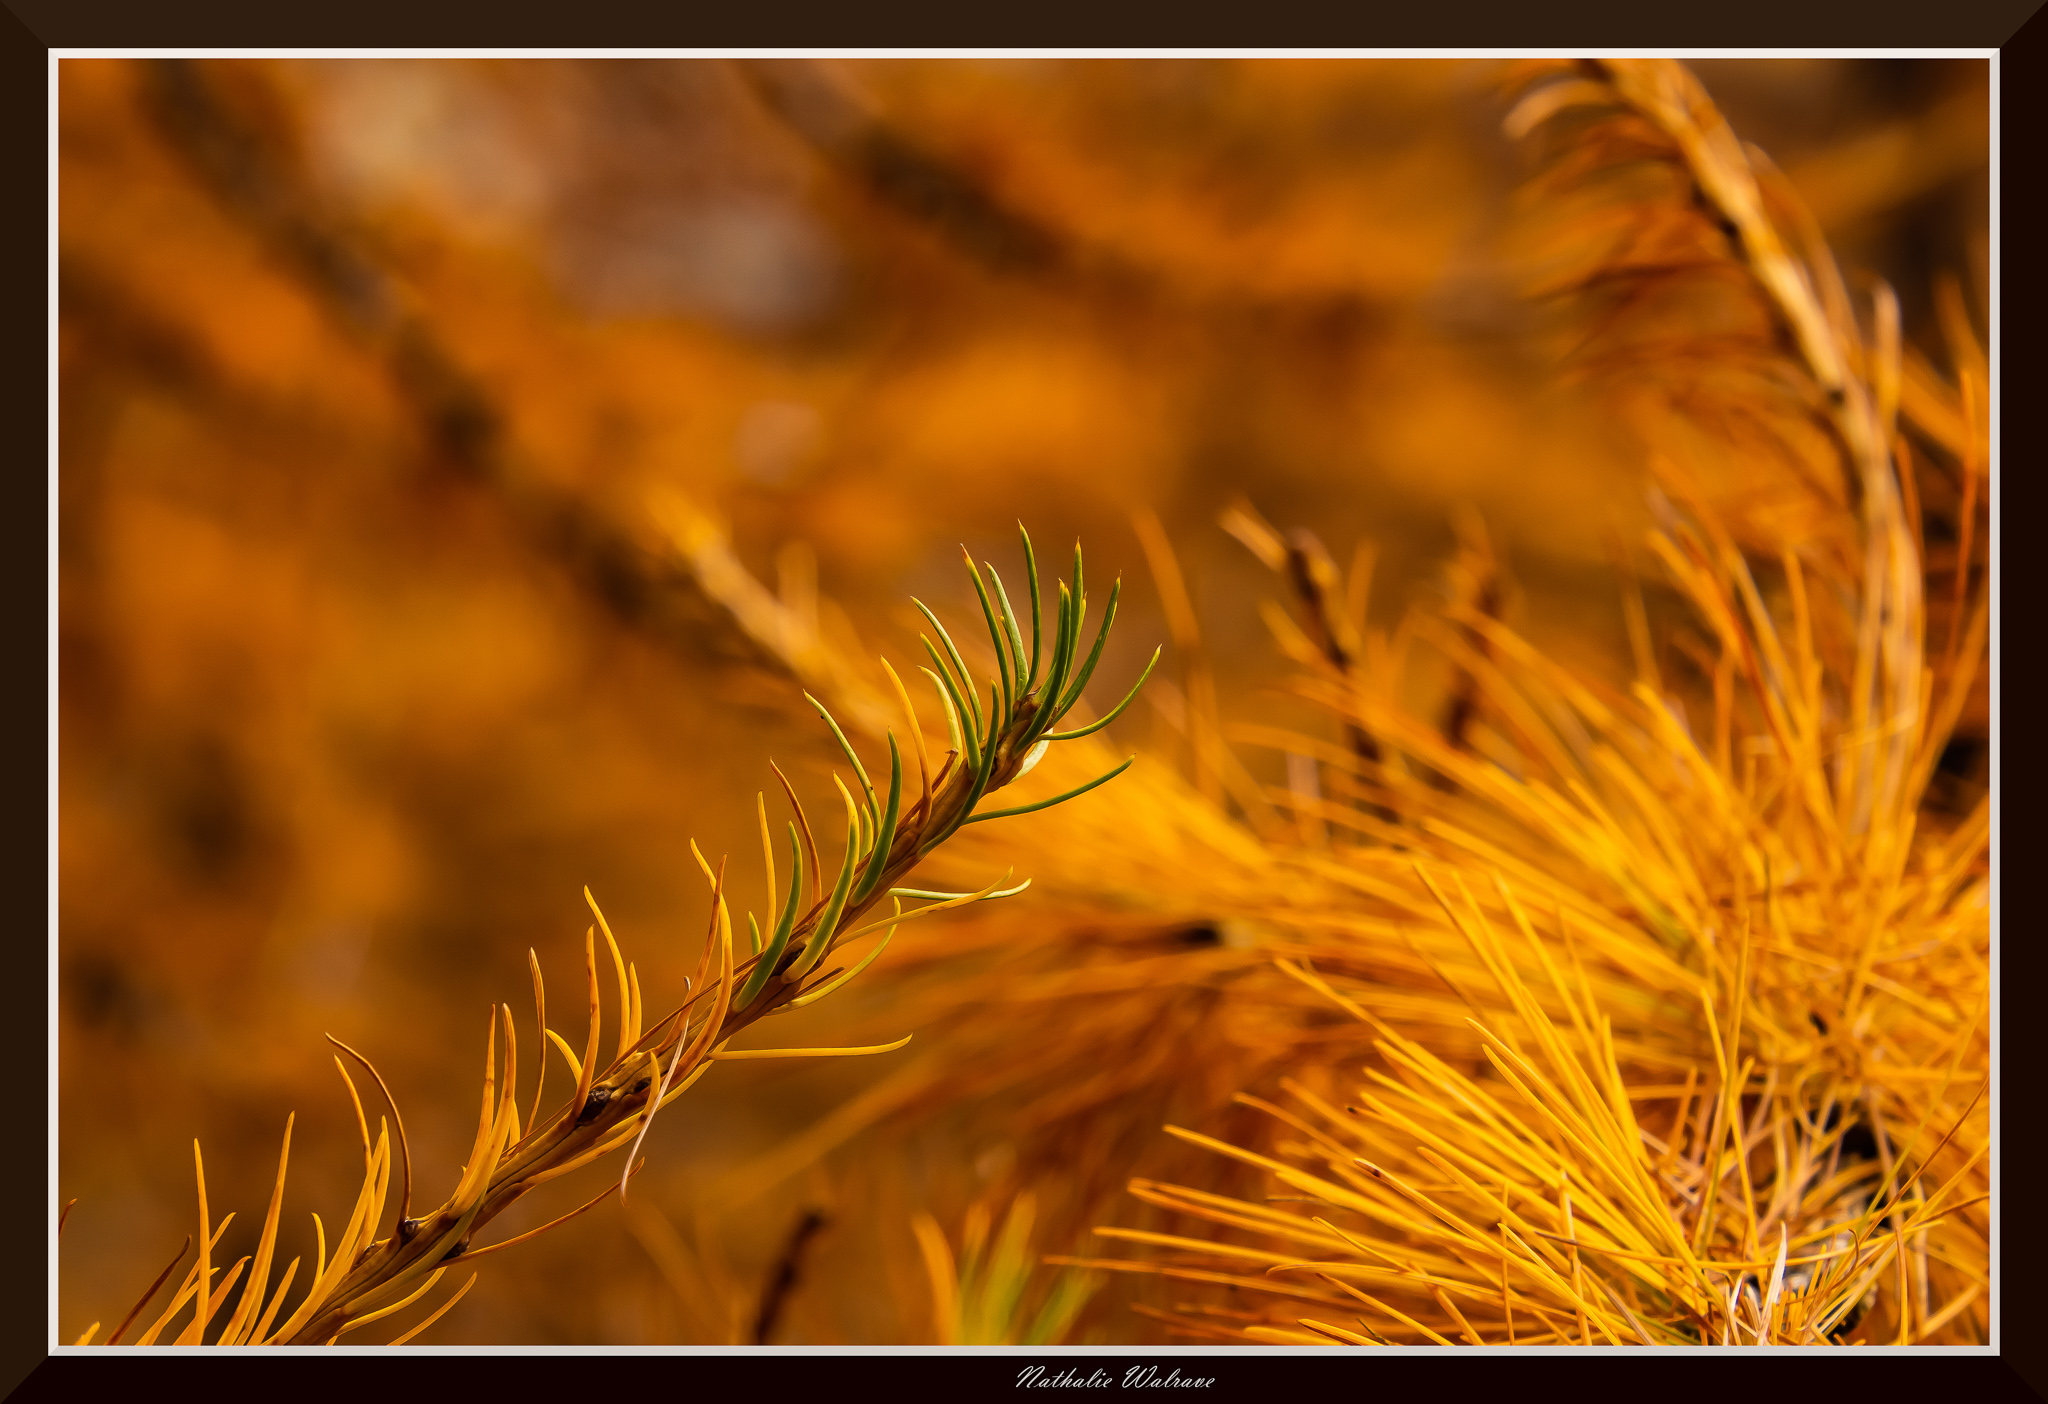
1137	1377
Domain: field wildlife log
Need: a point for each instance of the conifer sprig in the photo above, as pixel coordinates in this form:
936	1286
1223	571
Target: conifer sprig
367	1278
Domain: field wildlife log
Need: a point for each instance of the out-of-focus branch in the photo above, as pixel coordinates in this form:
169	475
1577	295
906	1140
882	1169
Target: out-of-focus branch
779	628
904	174
893	168
260	186
127	333
788	1269
1880	170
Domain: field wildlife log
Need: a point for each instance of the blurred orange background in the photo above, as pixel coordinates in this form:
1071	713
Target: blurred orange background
373	654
